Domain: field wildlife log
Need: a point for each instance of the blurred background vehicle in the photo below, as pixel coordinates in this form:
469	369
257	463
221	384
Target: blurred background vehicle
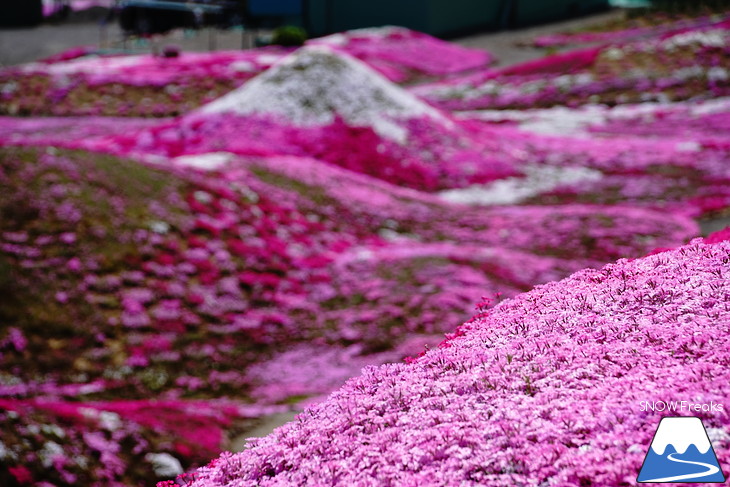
158	16
31	12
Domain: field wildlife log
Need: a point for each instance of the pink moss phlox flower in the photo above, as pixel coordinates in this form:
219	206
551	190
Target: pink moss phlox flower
624	35
543	388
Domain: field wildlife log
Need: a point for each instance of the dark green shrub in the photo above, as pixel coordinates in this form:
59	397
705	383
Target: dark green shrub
289	35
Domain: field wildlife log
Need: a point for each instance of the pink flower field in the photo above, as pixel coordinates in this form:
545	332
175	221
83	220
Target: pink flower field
539	390
79	82
684	60
191	245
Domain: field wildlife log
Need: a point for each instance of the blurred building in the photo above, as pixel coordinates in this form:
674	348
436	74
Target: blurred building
319	17
436	17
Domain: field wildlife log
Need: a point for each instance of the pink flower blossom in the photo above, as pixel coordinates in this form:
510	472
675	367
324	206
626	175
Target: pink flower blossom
543	388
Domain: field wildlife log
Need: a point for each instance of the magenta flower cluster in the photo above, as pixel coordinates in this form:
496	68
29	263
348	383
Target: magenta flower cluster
272	262
543	389
403	55
106	442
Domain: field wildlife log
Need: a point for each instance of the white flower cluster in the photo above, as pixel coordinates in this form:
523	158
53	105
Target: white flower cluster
6	453
210	161
562	120
538	180
49	452
107	420
707	38
316	84
164	464
495	88
549	121
87	65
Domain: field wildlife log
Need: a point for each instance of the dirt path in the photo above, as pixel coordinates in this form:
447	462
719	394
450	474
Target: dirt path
510	46
267	425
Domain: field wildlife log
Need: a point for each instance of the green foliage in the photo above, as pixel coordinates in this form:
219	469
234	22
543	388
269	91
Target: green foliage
289	36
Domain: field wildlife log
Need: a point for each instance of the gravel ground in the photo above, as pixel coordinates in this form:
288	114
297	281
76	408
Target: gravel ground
23	45
266	426
510	46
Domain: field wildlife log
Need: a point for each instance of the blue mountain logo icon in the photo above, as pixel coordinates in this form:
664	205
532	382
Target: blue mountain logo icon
681	452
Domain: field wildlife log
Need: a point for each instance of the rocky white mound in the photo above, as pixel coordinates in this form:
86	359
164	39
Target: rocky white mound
544	389
316	85
330	106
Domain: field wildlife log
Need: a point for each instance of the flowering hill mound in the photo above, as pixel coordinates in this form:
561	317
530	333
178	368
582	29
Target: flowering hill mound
404	55
670	156
621	31
316	85
95	133
131	85
569	233
80	82
543	388
168	283
214	276
684	64
326	104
